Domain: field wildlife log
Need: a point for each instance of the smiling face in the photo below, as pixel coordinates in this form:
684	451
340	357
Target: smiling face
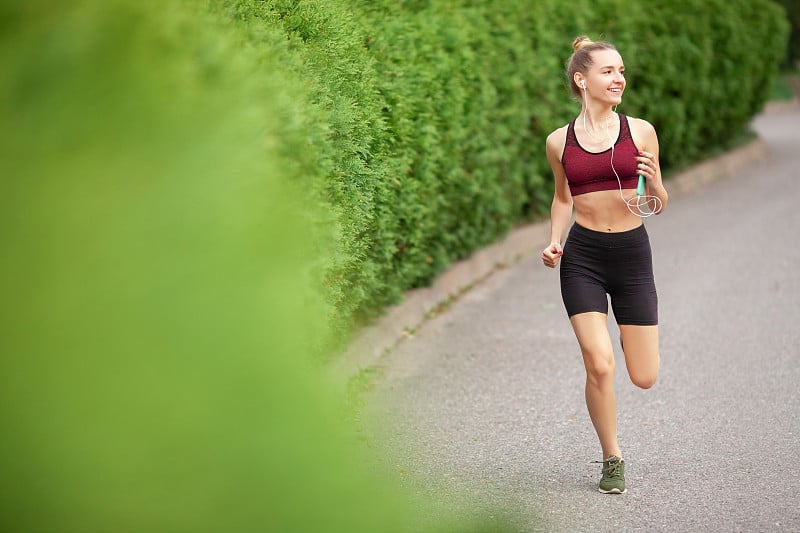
605	78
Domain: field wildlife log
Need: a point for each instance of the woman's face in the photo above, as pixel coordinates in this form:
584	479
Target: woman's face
605	80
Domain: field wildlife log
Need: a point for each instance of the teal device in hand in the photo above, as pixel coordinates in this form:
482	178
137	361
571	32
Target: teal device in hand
640	187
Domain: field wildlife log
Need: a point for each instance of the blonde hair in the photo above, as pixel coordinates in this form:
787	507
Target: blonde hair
581	59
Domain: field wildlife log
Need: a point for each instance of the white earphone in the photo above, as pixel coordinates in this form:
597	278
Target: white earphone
583	84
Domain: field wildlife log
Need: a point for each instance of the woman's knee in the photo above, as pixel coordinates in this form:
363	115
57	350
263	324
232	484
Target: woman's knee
644	380
643	372
599	365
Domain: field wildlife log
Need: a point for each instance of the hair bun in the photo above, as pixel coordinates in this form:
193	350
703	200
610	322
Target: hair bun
581	42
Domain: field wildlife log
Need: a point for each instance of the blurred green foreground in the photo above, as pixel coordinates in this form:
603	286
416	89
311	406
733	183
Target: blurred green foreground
156	318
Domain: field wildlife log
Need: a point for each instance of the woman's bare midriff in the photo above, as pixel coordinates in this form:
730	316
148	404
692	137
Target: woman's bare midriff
605	211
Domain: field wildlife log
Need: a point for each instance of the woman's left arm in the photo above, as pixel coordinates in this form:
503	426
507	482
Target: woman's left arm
644	135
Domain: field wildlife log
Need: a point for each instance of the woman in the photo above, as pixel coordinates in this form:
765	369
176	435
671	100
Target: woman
597	160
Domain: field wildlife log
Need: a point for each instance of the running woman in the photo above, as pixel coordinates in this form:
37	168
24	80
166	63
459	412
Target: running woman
597	160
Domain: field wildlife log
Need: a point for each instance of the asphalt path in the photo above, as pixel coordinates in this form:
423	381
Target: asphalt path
485	401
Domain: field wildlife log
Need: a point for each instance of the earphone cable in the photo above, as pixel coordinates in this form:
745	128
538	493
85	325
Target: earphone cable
642	206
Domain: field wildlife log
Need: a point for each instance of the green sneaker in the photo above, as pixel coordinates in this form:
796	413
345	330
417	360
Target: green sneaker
613	481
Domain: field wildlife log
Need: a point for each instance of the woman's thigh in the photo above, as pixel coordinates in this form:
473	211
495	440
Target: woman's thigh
640	344
591	330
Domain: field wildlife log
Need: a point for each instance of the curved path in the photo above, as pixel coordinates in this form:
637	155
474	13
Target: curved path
486	399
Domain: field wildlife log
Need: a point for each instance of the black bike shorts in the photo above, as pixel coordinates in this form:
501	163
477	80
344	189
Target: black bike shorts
620	265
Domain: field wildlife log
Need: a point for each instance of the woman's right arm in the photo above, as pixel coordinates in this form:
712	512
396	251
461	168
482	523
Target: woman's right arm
561	209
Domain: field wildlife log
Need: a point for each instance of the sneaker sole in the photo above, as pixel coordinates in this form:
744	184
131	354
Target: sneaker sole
613	491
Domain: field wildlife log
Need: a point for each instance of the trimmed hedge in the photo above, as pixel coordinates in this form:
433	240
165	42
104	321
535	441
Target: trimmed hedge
435	113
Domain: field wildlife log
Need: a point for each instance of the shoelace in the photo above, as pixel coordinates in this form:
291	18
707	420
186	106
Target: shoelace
610	467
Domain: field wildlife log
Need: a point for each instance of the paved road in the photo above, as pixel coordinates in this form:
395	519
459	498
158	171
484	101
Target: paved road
486	400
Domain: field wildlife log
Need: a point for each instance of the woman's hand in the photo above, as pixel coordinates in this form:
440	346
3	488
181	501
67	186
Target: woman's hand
552	254
648	165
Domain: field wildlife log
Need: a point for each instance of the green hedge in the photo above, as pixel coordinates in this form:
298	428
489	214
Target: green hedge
436	112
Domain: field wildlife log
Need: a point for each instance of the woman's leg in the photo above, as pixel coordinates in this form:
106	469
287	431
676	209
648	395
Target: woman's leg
640	344
591	329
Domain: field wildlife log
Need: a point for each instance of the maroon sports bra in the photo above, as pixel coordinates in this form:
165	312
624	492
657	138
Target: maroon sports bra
591	171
